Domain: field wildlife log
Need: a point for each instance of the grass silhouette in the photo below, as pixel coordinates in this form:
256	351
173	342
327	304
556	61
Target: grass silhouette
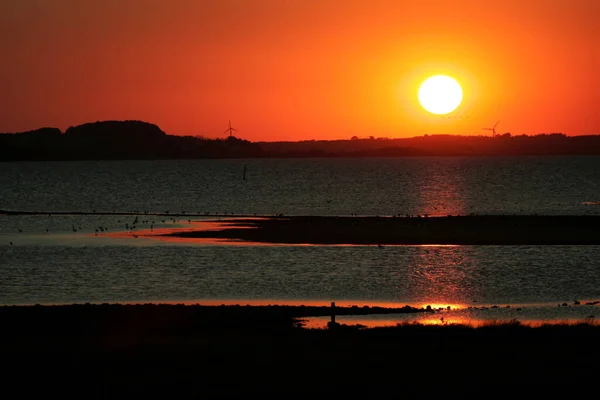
176	351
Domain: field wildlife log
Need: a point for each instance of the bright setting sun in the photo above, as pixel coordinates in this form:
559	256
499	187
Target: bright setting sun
440	94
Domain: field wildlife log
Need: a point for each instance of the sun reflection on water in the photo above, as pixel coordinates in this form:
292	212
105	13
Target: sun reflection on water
437	277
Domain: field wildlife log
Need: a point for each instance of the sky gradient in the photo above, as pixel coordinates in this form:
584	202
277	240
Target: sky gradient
300	69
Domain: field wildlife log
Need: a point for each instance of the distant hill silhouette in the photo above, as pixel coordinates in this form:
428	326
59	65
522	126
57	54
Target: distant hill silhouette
138	140
118	140
116	130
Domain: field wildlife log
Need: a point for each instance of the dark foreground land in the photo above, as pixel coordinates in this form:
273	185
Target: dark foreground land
466	230
161	351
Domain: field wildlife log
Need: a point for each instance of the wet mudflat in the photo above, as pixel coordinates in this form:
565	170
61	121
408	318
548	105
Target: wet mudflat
464	230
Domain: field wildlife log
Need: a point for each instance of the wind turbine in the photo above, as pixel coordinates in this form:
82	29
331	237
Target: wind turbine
230	129
492	129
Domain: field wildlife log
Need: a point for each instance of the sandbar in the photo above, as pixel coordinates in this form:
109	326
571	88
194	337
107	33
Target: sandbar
446	230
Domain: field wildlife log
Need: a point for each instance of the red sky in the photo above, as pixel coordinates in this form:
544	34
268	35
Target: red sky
300	69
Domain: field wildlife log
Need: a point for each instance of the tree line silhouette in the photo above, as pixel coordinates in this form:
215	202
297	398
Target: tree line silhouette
128	140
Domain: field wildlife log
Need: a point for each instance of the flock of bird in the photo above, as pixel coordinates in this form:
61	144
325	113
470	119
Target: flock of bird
131	227
98	230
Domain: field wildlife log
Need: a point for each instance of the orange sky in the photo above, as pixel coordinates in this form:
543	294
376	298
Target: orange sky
300	69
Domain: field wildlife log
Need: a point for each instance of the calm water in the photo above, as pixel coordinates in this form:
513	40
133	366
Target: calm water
49	262
450	185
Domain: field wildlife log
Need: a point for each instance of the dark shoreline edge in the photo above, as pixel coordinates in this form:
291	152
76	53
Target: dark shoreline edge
86	317
449	230
177	319
173	351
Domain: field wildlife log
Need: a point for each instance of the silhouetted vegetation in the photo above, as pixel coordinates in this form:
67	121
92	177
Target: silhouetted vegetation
159	351
110	140
164	318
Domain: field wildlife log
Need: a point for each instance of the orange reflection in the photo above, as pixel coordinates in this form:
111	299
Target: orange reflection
441	191
321	322
164	234
437	277
444	320
382	321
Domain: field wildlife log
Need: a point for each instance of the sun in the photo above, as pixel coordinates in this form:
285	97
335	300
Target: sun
440	94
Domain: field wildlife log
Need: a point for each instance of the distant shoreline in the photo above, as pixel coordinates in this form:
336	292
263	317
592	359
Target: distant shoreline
139	140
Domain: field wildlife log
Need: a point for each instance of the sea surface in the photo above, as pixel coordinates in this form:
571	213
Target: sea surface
80	257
